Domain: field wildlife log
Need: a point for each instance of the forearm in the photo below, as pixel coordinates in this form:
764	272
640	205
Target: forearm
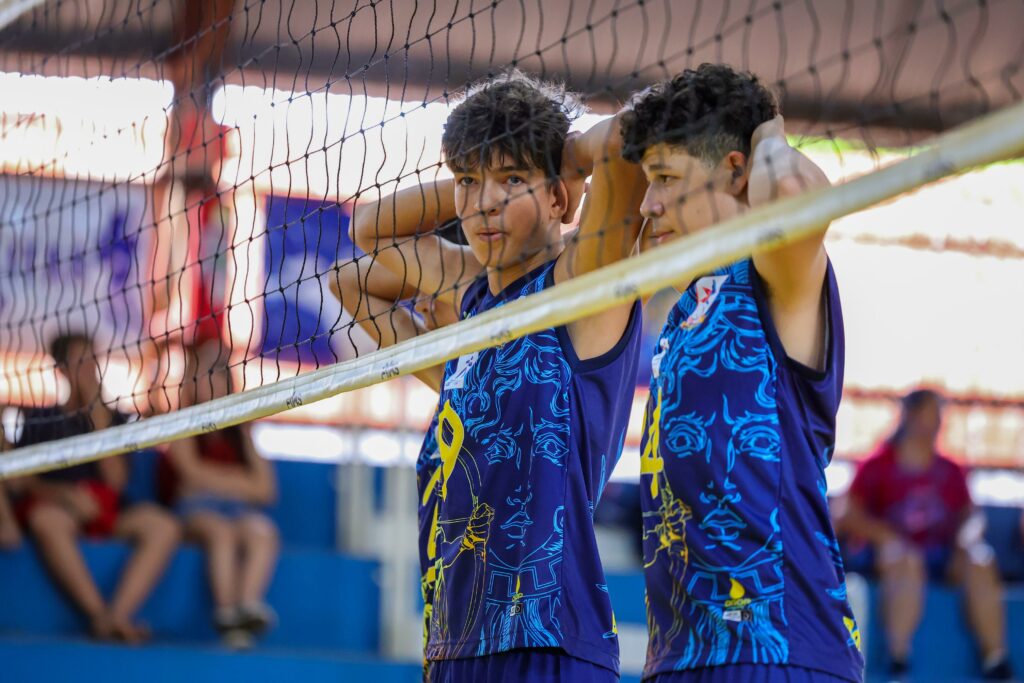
6	514
260	470
231	483
610	223
114	472
866	526
372	294
37	487
602	142
403	214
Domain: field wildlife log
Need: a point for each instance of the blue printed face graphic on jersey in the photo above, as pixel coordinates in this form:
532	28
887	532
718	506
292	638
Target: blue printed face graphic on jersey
721	475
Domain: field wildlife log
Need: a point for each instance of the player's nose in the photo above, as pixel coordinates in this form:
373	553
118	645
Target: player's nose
651	207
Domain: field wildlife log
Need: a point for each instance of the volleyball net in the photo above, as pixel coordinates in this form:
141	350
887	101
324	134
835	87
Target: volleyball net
182	183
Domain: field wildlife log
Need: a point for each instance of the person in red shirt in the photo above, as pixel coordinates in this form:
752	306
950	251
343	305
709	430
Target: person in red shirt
912	505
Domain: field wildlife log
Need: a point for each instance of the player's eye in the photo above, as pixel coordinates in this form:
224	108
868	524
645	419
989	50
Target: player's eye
465	181
515	180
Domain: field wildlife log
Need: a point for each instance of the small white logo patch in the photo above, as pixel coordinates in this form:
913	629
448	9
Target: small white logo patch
457	380
706	290
656	361
738	615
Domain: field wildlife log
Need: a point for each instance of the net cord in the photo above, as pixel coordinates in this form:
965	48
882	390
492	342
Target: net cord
994	137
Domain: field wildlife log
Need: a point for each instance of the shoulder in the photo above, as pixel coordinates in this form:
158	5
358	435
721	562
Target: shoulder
950	466
882	459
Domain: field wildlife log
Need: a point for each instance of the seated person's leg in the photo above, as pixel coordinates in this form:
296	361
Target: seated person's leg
901	570
56	533
155	535
976	570
216	534
260	542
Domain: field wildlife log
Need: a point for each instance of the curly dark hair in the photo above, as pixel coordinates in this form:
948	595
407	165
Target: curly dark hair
60	346
511	115
711	111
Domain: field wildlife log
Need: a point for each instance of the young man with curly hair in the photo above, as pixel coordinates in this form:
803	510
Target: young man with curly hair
744	580
527	432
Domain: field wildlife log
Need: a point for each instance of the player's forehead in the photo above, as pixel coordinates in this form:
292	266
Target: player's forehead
663	156
501	163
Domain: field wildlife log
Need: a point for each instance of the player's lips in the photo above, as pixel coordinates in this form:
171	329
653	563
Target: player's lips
490	235
660	235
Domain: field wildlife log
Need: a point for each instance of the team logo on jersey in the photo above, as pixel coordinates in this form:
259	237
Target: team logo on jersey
706	290
457	379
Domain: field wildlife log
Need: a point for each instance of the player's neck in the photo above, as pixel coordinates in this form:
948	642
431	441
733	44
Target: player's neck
500	278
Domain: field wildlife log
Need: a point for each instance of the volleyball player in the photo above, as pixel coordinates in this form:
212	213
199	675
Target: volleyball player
530	430
744	580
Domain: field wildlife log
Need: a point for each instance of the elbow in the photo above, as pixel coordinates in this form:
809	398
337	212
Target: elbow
363	229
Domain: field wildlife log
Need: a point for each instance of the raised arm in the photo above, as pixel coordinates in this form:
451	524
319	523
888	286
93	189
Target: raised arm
609	226
794	274
397	232
371	294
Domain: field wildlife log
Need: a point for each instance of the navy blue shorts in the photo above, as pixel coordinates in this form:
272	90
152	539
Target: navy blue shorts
748	673
937	560
536	665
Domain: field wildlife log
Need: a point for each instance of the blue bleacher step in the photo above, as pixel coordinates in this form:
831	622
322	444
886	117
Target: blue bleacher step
57	660
325	600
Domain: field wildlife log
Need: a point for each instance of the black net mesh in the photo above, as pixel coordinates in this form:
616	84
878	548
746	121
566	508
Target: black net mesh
180	179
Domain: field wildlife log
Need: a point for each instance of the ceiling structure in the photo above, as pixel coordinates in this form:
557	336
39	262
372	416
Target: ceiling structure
851	68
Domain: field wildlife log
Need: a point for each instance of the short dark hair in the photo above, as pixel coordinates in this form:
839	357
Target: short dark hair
60	345
918	398
911	403
511	115
710	111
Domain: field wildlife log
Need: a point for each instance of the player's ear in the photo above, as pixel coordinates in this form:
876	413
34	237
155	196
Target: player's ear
559	198
736	171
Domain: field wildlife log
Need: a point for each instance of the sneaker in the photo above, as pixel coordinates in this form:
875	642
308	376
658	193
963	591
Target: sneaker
898	670
256	617
1000	672
237	639
226	619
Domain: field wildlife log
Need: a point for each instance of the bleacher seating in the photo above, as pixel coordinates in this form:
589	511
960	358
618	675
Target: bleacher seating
328	605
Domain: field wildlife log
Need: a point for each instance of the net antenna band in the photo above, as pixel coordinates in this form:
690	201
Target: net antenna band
993	137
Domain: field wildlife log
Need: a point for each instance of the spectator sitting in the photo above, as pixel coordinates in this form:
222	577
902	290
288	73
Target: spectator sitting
912	505
57	507
217	483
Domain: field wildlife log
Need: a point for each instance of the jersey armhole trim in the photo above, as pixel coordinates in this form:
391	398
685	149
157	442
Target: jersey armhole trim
608	357
765	314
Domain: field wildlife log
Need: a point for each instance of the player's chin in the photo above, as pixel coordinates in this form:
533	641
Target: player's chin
490	254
